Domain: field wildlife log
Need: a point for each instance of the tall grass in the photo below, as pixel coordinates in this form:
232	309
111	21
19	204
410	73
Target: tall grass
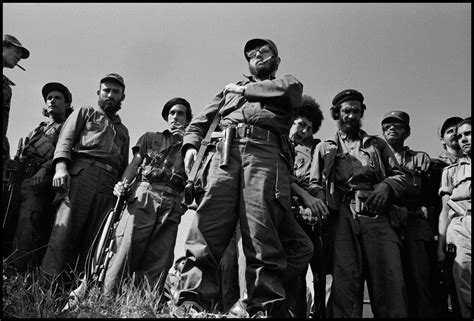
23	297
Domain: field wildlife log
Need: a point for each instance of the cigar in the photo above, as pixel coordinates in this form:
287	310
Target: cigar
267	59
21	67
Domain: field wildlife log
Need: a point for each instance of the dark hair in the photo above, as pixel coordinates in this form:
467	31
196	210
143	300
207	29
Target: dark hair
311	109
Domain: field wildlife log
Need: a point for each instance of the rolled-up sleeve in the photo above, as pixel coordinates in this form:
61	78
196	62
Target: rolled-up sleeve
71	129
288	87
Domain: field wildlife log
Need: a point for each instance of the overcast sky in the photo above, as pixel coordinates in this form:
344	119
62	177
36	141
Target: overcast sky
410	57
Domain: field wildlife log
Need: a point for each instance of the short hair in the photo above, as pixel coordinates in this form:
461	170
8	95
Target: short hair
466	120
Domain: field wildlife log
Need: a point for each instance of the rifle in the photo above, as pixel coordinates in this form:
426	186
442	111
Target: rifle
100	253
319	307
12	178
189	188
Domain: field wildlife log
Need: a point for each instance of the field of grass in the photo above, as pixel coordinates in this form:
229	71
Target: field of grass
23	297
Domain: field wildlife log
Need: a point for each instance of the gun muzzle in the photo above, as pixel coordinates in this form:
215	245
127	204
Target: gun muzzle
229	133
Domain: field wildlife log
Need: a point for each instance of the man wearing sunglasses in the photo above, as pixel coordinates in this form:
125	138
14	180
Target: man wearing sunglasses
419	245
253	187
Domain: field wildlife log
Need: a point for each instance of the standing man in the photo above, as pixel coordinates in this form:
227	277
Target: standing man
90	157
308	121
455	218
419	245
36	165
146	233
253	187
13	52
358	176
451	152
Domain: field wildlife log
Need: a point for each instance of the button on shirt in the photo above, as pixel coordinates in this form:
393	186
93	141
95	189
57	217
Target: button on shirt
456	182
90	132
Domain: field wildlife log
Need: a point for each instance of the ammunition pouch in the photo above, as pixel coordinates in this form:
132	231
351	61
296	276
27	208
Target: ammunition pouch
31	167
158	175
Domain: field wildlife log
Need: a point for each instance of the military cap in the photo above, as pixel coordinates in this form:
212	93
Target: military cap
115	77
56	86
253	43
347	94
13	41
175	101
398	115
447	123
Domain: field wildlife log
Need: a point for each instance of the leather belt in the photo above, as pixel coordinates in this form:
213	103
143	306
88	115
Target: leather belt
94	162
250	131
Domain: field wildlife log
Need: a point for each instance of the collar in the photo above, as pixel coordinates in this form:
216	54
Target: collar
465	160
8	81
251	78
115	119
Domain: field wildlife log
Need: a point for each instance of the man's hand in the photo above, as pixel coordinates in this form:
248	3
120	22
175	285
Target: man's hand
233	88
318	209
177	130
120	189
61	179
378	198
13	165
189	159
37	179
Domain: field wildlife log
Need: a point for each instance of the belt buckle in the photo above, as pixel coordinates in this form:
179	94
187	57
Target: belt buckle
248	131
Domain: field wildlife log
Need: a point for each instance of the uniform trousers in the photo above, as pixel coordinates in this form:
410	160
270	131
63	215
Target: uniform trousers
145	238
78	220
35	220
459	233
366	248
419	262
254	189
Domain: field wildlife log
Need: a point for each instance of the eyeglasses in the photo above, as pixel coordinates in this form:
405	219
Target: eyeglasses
395	126
262	50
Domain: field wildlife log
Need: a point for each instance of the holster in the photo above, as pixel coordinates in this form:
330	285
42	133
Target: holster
229	134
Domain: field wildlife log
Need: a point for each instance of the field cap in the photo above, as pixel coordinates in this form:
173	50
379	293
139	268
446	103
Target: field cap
115	77
397	115
175	101
347	94
447	123
13	41
253	43
56	86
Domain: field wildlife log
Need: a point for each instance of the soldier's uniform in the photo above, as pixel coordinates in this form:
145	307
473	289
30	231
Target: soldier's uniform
146	233
253	188
7	97
456	182
366	247
35	216
96	148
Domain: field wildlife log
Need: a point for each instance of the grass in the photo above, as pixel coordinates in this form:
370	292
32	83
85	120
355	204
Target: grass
23	297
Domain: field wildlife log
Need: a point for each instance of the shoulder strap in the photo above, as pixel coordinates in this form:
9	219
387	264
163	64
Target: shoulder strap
204	143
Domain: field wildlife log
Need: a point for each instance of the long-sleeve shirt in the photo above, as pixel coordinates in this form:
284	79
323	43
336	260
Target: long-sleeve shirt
340	166
88	131
269	104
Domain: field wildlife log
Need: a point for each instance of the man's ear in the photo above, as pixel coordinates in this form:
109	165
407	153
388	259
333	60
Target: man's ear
123	97
98	91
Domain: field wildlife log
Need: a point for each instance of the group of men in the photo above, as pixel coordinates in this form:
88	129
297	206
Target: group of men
356	206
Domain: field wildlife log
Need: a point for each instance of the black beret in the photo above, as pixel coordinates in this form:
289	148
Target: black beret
56	86
398	115
175	101
347	94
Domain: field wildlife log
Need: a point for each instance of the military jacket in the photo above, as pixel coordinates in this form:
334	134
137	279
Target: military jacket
7	97
339	169
88	131
269	104
38	149
162	159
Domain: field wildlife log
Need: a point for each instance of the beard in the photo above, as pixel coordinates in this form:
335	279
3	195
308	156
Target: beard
109	106
264	71
351	128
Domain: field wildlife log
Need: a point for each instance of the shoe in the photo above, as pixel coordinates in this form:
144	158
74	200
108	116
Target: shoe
238	310
260	315
190	307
